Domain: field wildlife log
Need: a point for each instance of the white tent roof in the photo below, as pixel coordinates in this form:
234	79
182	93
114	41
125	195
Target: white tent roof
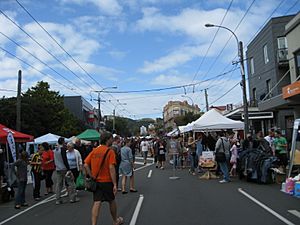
213	120
172	133
50	138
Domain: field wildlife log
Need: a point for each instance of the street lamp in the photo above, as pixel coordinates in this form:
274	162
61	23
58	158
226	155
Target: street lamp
99	102
185	96
114	113
243	82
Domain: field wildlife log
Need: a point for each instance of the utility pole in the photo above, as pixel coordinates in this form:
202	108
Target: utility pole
99	110
114	120
243	84
18	119
99	103
206	99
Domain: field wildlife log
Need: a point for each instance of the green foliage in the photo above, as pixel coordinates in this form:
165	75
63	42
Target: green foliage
187	118
42	111
127	127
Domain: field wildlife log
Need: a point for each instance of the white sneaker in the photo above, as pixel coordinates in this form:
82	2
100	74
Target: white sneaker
223	181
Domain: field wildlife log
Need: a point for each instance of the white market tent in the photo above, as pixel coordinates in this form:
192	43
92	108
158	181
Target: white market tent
213	120
173	133
50	138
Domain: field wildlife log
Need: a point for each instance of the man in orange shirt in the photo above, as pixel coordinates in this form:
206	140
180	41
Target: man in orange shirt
105	178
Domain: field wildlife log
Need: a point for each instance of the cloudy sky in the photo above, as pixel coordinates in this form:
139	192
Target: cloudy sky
83	46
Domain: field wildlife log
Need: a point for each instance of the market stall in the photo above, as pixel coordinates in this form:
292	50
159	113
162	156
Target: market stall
214	120
49	138
9	138
89	135
18	136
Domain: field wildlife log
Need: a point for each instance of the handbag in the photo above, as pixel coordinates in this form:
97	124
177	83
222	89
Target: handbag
220	156
91	183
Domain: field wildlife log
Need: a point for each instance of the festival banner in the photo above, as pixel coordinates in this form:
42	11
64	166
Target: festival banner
11	144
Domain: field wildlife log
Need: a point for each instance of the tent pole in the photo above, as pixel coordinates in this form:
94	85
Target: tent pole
7	154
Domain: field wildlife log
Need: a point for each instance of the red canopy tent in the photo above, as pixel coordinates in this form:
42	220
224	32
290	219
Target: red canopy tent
18	136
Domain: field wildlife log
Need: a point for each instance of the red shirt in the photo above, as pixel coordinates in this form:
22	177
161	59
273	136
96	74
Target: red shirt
47	156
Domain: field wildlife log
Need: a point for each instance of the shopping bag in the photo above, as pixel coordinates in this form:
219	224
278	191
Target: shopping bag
80	185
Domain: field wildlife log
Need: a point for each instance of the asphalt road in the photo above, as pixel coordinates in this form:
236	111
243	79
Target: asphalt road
186	201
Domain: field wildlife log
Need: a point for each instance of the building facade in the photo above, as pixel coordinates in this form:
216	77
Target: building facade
177	108
268	72
82	110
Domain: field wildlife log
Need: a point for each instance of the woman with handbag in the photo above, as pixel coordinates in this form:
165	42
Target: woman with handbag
222	154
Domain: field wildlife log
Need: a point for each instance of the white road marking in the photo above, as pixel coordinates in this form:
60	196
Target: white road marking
266	207
50	198
27	209
143	167
137	210
150	173
295	213
148	158
139	163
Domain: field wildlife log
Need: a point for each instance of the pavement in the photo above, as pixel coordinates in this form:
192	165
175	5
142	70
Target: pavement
164	201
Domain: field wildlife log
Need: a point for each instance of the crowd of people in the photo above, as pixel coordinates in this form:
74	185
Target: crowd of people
114	157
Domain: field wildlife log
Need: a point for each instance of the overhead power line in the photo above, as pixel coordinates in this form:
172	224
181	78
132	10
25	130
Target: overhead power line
45	64
291	7
220	53
225	93
37	69
39	44
172	87
212	41
57	42
65	50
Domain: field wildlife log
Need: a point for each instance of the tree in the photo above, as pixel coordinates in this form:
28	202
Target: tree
187	118
42	111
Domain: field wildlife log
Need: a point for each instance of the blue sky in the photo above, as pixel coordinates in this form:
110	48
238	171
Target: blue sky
134	45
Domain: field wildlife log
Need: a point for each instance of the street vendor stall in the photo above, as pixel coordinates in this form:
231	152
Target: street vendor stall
89	135
9	138
18	136
214	120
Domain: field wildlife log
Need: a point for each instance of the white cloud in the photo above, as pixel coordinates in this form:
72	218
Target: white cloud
117	54
6	27
109	7
99	25
170	80
94	70
9	67
174	59
78	45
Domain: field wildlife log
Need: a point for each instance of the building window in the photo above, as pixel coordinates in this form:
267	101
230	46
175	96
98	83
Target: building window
251	66
266	57
282	43
268	82
297	59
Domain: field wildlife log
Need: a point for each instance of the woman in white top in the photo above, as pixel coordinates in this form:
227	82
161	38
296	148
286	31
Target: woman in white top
74	160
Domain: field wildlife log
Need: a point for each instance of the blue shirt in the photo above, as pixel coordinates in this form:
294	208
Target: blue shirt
199	147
